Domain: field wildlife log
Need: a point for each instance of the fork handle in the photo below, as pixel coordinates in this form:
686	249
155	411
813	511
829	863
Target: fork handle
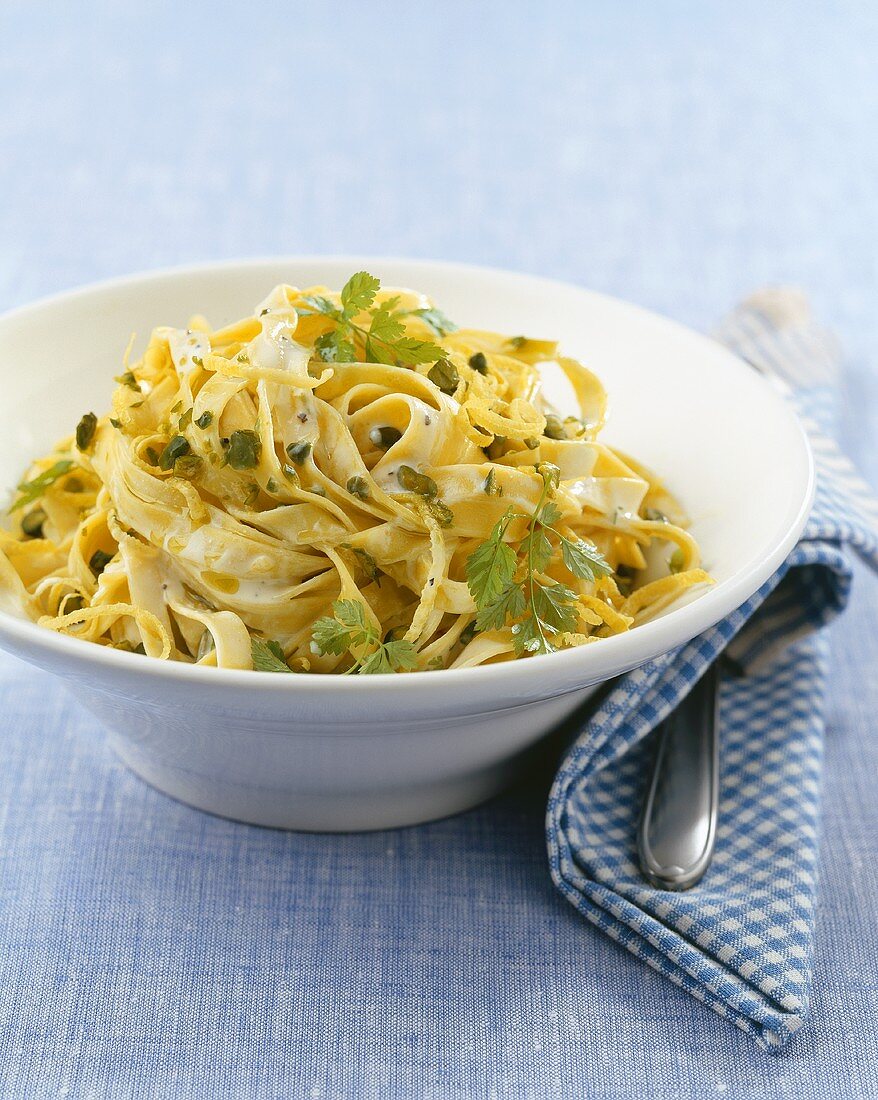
677	831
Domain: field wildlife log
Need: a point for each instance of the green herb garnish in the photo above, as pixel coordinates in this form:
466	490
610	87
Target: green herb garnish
32	490
85	431
348	629
507	585
268	656
436	320
384	341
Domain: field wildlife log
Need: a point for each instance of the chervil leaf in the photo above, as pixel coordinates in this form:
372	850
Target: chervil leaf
394	656
554	606
352	614
508	605
491	566
347	627
386	325
384	330
34	489
268	656
329	636
549	513
358	293
320	304
529	637
584	560
436	319
336	346
538	549
410	352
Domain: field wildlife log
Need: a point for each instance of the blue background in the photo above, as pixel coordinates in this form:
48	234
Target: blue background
676	154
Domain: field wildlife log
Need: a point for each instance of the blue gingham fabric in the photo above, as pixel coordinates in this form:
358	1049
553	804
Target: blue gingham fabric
741	940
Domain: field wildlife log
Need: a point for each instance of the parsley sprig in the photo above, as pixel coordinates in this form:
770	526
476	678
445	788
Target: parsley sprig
384	341
508	585
348	629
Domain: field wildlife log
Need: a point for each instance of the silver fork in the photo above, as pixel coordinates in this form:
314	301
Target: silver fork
677	830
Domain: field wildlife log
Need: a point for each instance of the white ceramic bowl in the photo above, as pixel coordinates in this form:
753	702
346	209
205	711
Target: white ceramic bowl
338	753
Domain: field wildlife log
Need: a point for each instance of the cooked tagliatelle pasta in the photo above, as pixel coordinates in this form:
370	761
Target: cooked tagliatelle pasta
344	483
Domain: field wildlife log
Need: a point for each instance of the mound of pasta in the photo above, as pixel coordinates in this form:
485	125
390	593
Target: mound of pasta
344	482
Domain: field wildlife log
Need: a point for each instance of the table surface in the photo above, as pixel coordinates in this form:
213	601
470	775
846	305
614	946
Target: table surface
676	154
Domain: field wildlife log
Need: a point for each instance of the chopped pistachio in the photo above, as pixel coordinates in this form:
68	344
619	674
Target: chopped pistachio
554	429
298	452
205	420
185	420
85	431
128	379
478	362
490	486
531	443
99	561
441	513
367	564
358	487
188	466
175	449
32	523
245	447
385	437
413	482
444	374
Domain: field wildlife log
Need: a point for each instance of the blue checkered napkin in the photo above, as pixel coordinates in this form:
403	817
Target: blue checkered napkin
741	941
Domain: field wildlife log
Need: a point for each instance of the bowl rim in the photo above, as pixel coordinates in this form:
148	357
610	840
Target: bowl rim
613	656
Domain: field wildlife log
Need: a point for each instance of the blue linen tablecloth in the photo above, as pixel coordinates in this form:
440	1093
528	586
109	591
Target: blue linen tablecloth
677	155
